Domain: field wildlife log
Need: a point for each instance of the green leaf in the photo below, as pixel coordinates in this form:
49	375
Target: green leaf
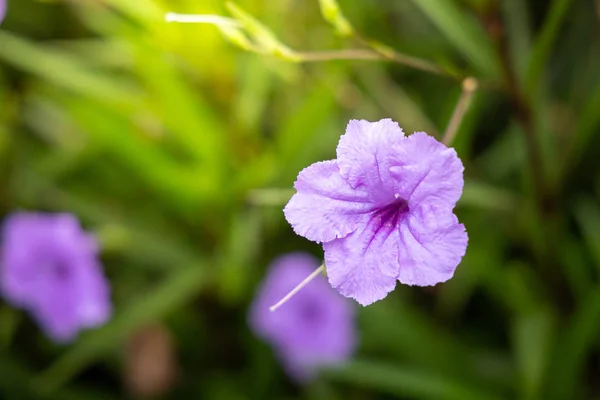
533	336
332	13
66	72
237	37
519	35
407	334
144	11
394	100
111	130
185	114
9	321
464	33
264	37
239	253
543	44
579	273
15	383
485	196
587	213
565	380
586	125
301	138
406	381
255	86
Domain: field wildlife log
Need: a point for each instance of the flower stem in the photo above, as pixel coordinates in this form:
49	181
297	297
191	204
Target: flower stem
469	86
374	50
297	288
201	19
350	54
368	54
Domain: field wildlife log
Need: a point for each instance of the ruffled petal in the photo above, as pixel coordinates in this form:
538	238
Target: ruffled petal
364	155
55	310
432	244
426	170
364	264
325	206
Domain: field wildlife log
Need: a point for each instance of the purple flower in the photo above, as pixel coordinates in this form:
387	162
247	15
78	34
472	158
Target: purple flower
2	10
50	268
383	210
314	328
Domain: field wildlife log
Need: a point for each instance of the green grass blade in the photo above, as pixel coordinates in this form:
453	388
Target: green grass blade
533	335
586	125
406	382
587	214
301	138
66	72
519	35
186	114
543	44
464	33
572	349
485	196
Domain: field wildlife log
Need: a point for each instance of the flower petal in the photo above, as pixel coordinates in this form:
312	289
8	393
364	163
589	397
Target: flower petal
427	170
93	290
315	328
2	10
364	154
432	244
284	274
50	268
55	311
364	264
325	207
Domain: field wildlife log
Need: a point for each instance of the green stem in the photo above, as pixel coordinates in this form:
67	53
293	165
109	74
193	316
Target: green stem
469	86
372	54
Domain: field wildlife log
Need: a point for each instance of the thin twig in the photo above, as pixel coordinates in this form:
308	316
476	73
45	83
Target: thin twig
371	54
388	53
352	54
413	62
469	86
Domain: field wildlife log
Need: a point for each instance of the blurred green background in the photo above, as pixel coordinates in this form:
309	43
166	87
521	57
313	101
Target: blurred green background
179	150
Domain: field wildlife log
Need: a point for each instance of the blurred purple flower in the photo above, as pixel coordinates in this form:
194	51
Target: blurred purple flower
2	10
315	328
50	268
383	210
